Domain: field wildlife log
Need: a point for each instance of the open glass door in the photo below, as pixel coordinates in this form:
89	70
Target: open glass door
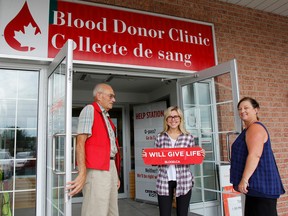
209	102
59	143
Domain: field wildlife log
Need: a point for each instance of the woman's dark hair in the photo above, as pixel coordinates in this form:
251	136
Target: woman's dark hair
253	102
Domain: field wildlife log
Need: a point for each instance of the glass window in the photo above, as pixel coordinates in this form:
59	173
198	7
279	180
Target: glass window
7	112
27	114
18	140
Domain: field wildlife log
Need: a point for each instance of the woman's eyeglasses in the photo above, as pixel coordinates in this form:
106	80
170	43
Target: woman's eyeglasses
176	118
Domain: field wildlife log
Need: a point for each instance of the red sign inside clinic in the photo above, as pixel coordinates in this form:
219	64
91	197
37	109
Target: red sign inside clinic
113	36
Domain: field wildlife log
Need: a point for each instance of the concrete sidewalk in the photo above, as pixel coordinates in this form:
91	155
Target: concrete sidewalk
129	207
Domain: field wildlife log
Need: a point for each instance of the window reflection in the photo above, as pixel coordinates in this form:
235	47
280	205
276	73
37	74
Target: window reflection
8	87
28	85
18	139
7	112
26	141
27	114
24	201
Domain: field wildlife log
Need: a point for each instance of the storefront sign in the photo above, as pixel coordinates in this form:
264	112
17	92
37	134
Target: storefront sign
167	156
105	35
111	35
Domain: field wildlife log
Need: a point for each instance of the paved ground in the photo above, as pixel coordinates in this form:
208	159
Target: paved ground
129	207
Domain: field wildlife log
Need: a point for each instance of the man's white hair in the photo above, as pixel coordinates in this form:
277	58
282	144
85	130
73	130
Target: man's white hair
99	88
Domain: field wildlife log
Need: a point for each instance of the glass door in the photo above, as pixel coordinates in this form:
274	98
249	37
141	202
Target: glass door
209	102
59	143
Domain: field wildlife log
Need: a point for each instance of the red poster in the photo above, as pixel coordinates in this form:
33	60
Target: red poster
168	156
228	192
109	35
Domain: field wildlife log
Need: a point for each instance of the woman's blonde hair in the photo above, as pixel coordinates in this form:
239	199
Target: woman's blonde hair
167	113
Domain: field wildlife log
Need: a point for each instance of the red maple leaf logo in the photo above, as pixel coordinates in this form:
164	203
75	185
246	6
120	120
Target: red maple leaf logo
22	24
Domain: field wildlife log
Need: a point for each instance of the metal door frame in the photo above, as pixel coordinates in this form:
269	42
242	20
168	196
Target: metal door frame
66	53
210	73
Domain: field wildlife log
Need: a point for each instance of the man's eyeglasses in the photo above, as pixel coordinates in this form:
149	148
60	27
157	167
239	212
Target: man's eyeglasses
176	118
111	96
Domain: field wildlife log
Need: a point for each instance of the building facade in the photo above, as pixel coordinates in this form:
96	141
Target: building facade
257	40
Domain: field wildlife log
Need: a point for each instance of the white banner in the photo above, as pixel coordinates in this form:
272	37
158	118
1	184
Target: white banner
148	122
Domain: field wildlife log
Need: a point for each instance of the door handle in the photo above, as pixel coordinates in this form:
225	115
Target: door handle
54	170
228	144
74	154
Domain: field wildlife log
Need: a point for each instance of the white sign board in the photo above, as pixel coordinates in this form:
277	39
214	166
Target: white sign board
24	27
148	122
235	206
224	174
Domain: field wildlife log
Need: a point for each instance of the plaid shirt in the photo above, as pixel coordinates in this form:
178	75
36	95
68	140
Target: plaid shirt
184	177
85	124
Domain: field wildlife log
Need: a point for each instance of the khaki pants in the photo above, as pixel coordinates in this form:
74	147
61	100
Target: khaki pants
100	192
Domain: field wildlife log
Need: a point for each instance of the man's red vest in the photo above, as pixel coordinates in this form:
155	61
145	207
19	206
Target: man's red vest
97	146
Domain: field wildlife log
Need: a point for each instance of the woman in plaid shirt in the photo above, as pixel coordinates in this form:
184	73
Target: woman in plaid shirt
174	177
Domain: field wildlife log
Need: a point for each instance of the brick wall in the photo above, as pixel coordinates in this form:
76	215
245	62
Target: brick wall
259	42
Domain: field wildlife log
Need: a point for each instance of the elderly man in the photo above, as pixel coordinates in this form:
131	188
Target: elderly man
98	156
